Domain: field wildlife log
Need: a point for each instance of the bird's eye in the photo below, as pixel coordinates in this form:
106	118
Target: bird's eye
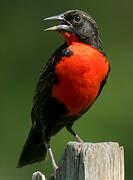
77	19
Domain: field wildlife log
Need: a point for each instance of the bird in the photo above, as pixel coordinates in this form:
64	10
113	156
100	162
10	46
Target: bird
69	84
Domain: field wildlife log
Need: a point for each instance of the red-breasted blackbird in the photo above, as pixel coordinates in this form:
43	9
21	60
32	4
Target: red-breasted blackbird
69	84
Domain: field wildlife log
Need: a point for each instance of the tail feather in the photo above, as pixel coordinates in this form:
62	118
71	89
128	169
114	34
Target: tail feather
34	149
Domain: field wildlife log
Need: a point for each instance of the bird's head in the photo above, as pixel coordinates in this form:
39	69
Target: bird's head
76	25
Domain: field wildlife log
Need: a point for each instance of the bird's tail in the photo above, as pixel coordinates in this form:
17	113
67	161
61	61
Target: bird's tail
34	149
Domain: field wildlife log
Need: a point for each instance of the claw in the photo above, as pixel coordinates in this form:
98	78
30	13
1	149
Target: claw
54	173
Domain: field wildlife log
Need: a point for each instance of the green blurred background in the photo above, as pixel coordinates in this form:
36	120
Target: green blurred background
25	48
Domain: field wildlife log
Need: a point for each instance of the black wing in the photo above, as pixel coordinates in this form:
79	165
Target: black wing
44	106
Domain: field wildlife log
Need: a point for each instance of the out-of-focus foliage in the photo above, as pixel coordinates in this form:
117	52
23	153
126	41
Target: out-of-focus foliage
25	48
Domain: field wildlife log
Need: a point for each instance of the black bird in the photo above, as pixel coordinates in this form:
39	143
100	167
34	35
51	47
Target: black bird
69	84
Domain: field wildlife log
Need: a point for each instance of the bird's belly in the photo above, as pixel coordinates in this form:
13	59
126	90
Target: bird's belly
76	94
79	81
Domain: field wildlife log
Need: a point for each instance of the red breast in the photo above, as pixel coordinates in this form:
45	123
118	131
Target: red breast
80	76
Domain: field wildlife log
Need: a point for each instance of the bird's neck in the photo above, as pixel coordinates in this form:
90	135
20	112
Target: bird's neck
92	41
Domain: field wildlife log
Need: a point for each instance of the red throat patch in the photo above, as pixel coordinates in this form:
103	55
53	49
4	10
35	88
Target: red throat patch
69	37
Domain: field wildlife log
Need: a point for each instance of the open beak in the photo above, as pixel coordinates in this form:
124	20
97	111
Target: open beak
64	26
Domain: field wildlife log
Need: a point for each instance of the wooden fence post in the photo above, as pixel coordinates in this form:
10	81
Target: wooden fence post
91	161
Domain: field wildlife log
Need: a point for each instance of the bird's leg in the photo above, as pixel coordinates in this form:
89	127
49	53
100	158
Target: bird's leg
74	134
47	144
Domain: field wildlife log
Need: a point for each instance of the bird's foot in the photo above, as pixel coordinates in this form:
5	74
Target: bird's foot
54	173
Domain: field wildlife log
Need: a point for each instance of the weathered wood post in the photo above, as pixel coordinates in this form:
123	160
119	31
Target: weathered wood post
91	161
